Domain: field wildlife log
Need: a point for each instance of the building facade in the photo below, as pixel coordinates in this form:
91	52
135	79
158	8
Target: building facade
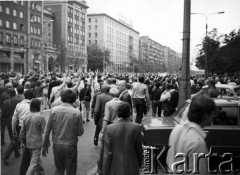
152	53
50	51
69	30
13	36
116	36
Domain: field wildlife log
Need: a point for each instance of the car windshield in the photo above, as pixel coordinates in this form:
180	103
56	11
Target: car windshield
237	91
181	114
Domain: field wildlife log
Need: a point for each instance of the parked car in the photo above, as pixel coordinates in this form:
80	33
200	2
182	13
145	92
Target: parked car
223	136
227	91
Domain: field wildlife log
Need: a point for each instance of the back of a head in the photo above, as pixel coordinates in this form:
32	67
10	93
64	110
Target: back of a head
9	85
158	84
105	88
11	92
114	92
35	105
200	105
20	89
68	96
114	81
128	86
28	94
141	79
123	110
27	85
39	82
69	84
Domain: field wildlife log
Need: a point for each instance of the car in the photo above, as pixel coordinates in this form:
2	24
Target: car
223	136
227	91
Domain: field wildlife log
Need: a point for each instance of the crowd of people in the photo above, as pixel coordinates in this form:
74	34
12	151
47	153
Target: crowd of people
116	103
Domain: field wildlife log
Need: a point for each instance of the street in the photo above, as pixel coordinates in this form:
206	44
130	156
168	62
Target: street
87	154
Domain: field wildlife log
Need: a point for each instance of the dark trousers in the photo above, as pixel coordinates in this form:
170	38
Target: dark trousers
14	145
65	158
6	122
157	106
140	106
26	158
97	131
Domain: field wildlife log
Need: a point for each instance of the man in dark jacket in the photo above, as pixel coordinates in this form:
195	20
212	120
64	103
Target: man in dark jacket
99	110
155	98
124	94
122	145
85	98
8	108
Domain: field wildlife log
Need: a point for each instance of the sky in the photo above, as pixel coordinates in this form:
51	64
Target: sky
162	20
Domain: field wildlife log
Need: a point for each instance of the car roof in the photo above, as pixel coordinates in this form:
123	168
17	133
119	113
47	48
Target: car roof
223	102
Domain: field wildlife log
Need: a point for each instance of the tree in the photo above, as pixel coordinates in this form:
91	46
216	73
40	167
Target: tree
96	56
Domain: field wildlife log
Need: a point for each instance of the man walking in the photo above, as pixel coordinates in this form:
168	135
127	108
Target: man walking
66	125
122	145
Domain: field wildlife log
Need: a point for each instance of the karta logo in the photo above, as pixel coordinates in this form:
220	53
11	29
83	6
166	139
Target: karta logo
154	160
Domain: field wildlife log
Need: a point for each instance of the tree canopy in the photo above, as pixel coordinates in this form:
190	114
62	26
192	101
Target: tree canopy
223	52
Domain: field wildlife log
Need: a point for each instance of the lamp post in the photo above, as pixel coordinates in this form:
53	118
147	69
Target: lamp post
206	34
45	22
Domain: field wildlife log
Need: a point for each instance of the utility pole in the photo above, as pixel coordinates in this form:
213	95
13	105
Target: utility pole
185	87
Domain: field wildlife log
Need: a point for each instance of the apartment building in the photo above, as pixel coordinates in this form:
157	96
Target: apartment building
118	37
13	36
69	32
152	53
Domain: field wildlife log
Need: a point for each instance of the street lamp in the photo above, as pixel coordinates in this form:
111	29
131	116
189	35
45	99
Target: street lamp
206	18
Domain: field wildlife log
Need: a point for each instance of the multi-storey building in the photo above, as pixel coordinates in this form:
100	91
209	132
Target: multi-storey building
21	36
152	53
13	36
69	31
172	60
50	51
118	37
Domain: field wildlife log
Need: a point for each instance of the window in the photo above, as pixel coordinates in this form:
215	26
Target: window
0	8
70	29
32	29
14	12
76	12
83	15
95	41
0	23
82	33
39	19
15	39
89	20
21	27
95	34
22	3
39	8
21	14
95	19
22	40
1	37
35	30
8	38
89	27
89	42
7	11
227	115
39	31
70	10
7	24
15	26
95	27
89	35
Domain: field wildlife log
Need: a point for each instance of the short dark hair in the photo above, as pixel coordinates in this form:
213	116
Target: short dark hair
35	105
141	79
11	92
158	84
28	94
200	105
69	84
20	89
123	110
68	96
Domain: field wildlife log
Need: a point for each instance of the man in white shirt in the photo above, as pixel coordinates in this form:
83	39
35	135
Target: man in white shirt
188	138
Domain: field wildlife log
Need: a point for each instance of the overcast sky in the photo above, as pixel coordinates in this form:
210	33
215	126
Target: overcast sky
162	20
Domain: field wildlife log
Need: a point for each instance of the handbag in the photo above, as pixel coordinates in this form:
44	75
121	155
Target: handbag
86	98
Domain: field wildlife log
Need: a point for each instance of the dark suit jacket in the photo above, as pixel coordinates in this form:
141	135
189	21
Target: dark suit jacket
122	148
99	109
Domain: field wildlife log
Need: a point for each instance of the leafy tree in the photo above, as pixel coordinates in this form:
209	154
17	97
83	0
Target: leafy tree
96	56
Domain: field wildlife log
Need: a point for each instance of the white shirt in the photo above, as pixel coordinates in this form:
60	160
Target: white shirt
187	138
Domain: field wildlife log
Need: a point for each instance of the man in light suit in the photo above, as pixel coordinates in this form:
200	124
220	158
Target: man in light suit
122	145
